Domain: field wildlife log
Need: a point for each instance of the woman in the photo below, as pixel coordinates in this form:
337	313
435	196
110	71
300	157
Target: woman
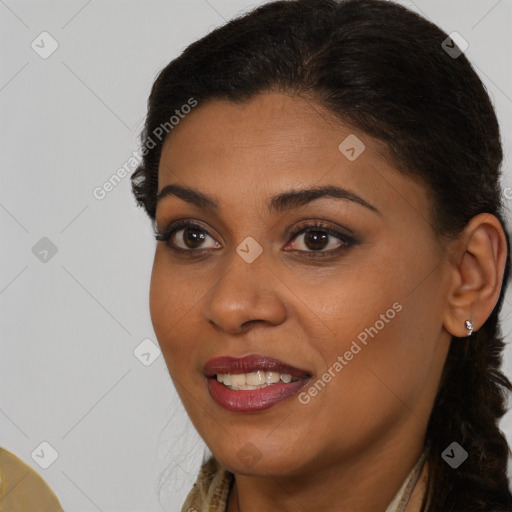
323	179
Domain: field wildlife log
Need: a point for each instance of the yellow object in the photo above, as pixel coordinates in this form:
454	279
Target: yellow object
22	489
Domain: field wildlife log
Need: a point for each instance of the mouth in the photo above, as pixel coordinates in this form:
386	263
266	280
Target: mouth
252	383
255	380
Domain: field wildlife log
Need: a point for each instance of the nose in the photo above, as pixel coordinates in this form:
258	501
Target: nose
246	294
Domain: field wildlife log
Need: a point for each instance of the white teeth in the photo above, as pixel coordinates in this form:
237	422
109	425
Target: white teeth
253	380
225	378
238	380
272	377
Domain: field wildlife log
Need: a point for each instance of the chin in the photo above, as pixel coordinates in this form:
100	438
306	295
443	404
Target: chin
259	457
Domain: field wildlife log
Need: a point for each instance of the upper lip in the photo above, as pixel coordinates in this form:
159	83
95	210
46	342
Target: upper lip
248	364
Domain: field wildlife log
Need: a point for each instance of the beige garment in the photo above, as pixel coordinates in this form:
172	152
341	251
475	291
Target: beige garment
211	490
22	489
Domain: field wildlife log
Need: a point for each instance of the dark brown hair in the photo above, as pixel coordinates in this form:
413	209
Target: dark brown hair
381	68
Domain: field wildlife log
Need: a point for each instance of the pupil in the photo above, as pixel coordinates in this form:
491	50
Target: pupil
193	237
316	239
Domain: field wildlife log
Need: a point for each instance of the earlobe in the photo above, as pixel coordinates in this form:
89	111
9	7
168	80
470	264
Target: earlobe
477	275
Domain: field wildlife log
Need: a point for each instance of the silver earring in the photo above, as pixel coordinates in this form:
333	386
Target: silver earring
469	327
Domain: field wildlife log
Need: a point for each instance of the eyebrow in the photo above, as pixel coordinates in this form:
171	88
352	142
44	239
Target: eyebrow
279	203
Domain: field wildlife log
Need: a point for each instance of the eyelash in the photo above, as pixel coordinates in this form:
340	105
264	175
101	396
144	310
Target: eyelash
168	233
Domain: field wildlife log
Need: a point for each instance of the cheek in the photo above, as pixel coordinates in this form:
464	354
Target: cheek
169	304
174	301
161	300
378	323
373	384
351	306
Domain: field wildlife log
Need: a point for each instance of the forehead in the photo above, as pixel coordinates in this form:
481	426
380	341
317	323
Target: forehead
276	140
267	121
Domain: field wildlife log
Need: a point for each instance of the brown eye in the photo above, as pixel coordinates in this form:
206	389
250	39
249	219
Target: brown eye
191	237
316	240
320	239
186	236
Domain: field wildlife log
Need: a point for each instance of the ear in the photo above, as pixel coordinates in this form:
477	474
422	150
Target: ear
477	274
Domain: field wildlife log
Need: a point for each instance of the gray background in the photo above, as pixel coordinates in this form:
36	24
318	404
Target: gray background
72	320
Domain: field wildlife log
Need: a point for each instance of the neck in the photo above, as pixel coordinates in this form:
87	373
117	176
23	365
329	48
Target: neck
363	485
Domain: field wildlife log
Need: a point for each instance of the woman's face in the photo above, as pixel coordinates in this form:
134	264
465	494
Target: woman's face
354	302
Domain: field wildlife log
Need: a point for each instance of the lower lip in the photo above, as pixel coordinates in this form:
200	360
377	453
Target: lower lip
252	400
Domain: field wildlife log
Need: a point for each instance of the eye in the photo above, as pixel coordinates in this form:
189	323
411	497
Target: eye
186	236
319	238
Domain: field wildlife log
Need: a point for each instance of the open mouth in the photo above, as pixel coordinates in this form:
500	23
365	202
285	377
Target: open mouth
252	383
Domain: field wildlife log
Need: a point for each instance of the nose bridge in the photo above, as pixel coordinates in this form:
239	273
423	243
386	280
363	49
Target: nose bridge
245	291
